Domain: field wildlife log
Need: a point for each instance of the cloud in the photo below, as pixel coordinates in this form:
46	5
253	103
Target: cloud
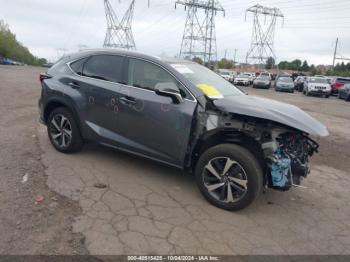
311	26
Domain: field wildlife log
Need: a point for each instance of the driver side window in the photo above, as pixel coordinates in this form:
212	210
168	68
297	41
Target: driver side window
143	74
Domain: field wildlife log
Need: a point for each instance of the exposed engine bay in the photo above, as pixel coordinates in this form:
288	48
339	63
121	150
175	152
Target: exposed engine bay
288	159
285	150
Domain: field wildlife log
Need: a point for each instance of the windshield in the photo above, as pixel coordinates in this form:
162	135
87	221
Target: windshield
243	76
263	78
319	80
225	73
343	80
205	79
286	79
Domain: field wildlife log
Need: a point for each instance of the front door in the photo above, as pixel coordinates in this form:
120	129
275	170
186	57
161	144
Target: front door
154	125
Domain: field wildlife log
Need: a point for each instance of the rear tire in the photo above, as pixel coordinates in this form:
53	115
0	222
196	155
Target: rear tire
229	176
63	131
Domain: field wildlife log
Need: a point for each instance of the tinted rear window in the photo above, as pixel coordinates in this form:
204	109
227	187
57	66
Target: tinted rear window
105	67
77	66
343	80
319	80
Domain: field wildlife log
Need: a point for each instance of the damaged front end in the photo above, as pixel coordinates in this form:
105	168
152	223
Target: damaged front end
287	156
283	151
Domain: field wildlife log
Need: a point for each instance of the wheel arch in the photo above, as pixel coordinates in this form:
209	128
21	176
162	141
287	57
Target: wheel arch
230	136
56	103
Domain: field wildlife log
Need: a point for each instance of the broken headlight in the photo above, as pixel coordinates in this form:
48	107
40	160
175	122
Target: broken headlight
289	163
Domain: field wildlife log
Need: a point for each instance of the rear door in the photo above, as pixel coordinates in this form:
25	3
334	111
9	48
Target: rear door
154	125
100	82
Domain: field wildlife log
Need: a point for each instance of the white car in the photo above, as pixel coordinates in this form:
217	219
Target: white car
251	77
267	74
243	80
317	86
228	75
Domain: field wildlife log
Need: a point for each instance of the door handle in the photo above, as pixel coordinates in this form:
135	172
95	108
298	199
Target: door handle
128	100
74	85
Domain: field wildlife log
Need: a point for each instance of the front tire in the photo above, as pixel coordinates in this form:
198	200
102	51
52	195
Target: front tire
63	131
229	176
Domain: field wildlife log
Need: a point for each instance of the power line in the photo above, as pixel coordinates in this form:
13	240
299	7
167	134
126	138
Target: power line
199	38
262	44
336	57
119	34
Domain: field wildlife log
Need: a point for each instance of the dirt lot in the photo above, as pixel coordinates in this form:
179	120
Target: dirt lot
147	208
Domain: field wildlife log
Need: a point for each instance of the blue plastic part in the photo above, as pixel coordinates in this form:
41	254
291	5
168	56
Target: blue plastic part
280	171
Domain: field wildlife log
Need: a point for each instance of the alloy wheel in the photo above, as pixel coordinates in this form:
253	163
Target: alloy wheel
225	179
61	131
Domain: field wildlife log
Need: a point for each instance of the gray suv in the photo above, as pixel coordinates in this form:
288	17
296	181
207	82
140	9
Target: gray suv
182	114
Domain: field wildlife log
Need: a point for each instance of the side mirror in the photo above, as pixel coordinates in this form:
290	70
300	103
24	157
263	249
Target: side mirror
169	89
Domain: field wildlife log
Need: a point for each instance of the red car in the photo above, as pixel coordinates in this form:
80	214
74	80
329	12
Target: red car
337	83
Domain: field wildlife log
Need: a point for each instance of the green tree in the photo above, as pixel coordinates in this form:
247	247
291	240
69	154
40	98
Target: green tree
270	63
283	65
13	49
197	60
225	64
305	66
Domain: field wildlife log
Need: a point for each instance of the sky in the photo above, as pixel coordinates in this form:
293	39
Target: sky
309	30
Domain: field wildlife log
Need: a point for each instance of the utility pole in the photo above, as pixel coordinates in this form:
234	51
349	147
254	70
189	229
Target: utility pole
262	44
234	58
335	52
335	57
119	34
199	37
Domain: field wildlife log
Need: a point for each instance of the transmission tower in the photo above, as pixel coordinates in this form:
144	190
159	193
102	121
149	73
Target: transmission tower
119	34
262	45
199	38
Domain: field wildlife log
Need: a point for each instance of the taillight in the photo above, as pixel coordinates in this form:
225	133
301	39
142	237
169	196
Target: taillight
44	76
337	85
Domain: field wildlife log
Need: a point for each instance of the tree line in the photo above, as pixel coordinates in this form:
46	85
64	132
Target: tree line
340	69
11	48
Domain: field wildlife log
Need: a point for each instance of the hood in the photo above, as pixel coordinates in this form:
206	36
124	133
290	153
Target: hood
242	78
285	84
317	84
264	108
261	80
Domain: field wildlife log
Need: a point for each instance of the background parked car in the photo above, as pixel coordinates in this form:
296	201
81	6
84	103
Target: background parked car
337	83
299	83
251	77
284	84
7	61
266	74
282	74
242	80
262	81
317	86
226	74
344	92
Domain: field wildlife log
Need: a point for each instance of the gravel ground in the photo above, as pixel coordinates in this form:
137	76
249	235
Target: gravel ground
28	227
148	208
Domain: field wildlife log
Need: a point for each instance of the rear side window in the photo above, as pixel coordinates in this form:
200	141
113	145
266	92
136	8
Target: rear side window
105	67
77	66
344	80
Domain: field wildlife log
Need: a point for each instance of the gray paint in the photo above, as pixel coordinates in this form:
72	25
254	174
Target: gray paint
154	127
264	108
